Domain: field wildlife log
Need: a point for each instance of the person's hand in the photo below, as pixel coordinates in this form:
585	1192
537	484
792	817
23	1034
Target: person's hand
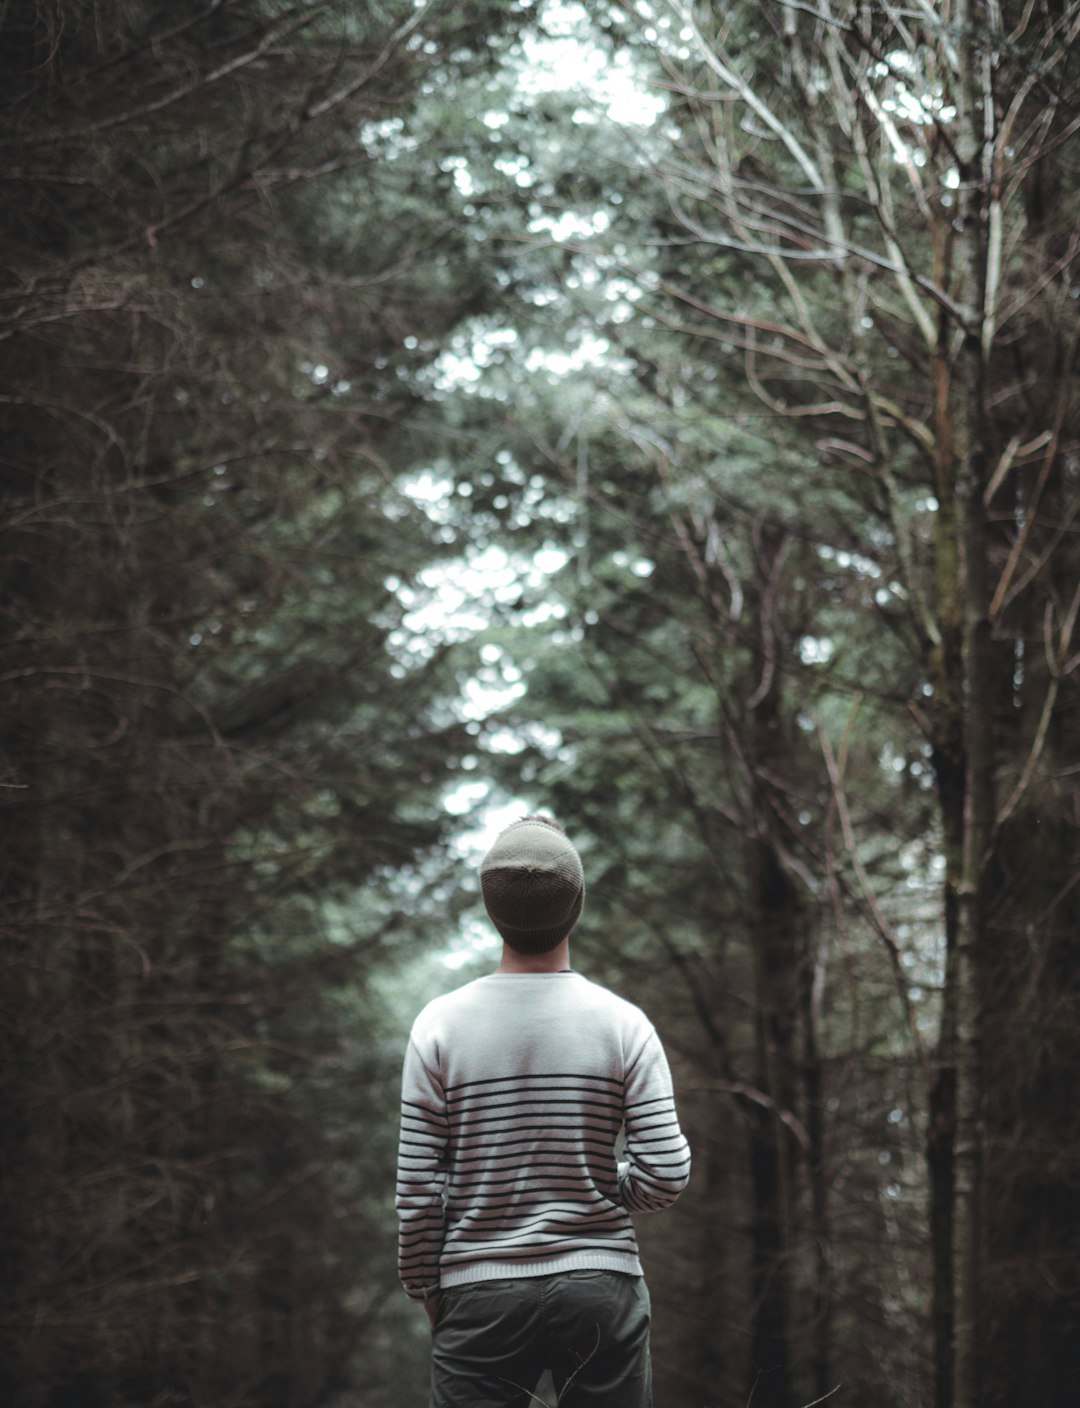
432	1308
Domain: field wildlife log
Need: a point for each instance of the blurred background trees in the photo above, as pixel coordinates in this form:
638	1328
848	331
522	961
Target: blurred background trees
662	417
217	239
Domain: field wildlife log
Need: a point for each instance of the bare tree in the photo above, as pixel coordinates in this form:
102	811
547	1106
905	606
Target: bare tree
888	197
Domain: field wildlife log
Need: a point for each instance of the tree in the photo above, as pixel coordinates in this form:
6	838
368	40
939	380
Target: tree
222	760
858	201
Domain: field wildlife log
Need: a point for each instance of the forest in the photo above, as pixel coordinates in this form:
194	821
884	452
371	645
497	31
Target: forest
659	414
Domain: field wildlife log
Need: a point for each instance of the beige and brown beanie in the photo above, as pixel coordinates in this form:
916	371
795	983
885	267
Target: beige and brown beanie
533	885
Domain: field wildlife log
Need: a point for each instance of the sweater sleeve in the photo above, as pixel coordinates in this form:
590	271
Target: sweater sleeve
656	1161
421	1175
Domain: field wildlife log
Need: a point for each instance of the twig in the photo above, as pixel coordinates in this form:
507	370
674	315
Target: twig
562	1391
881	923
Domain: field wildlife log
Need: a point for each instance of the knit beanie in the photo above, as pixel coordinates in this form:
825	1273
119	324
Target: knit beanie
533	885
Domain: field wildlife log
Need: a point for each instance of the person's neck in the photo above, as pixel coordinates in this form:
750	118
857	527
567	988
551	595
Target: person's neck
554	961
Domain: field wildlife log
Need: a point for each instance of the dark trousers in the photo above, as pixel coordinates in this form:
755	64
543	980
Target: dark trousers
494	1339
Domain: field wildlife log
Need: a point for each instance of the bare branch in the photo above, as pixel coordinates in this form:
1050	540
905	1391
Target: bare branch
881	923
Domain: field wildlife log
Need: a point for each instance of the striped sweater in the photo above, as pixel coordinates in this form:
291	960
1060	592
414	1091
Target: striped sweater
517	1091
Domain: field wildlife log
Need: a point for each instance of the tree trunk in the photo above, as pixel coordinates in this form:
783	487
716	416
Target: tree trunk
974	142
821	1269
779	923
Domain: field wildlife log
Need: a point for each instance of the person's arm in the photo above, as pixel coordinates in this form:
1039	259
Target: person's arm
656	1161
421	1176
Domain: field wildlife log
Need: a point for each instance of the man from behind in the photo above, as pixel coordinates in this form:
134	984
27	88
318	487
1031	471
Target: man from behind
513	1202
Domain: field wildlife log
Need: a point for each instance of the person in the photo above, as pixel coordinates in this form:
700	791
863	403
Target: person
537	1115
